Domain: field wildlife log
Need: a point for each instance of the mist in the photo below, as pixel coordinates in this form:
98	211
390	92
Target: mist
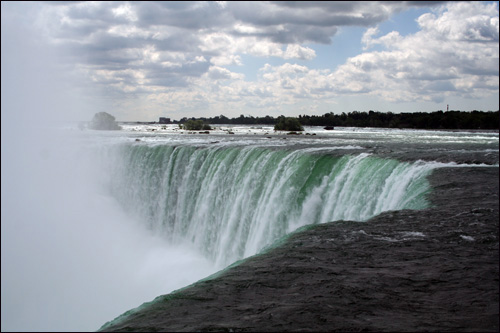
71	258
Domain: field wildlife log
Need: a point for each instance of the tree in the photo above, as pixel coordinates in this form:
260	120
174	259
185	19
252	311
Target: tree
195	125
104	121
288	124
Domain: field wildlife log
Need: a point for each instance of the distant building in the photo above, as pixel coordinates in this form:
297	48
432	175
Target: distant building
164	120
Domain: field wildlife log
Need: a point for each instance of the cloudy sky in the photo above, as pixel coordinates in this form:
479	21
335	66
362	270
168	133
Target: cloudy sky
143	60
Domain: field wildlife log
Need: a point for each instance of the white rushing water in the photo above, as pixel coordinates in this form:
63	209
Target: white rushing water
231	202
96	223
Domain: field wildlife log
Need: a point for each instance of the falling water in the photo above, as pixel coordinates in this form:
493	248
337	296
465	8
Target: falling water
230	202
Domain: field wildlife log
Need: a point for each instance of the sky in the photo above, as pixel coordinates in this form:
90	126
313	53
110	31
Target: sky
142	60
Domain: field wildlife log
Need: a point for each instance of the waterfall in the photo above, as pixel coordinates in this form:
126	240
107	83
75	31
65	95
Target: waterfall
230	202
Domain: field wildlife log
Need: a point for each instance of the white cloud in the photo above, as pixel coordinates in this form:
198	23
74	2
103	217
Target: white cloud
222	30
367	39
425	66
125	10
471	21
226	60
183	50
456	45
389	40
219	73
294	51
128	31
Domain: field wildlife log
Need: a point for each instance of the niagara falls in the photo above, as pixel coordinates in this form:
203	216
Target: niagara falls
256	166
121	217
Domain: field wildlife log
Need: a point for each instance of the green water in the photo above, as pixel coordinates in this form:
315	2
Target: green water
232	202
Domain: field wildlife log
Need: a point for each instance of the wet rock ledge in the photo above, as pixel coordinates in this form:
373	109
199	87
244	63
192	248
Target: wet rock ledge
430	270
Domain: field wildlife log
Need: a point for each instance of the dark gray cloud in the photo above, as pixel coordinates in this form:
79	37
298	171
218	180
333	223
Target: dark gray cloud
313	21
280	22
94	13
290	24
169	80
179	42
317	22
190	15
423	3
439	86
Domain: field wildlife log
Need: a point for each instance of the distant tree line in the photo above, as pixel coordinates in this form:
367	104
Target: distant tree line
421	120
